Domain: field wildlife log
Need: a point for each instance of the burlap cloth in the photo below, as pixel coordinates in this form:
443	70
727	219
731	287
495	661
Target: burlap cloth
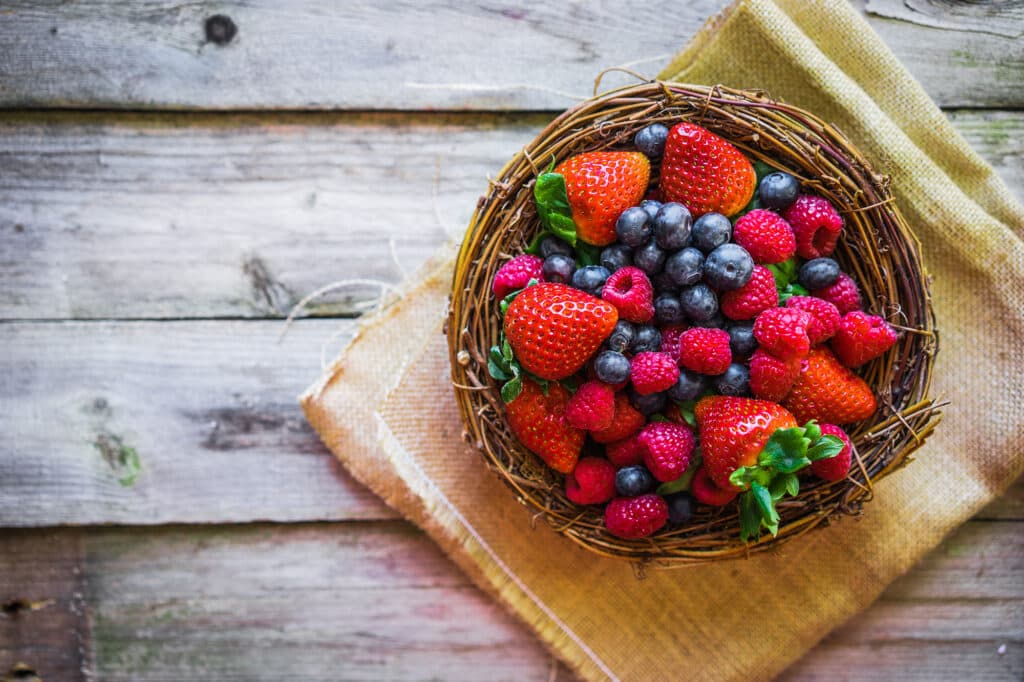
386	406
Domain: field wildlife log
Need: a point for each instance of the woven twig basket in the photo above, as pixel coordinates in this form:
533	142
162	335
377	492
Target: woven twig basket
878	249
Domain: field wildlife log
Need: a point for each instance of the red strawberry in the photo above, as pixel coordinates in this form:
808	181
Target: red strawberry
844	294
600	186
770	377
704	172
626	422
834	468
765	235
862	338
591	482
554	329
653	372
705	350
625	452
592	407
705	491
783	332
816	225
632	294
754	297
670	339
828	392
668	448
632	518
539	422
516	274
824	317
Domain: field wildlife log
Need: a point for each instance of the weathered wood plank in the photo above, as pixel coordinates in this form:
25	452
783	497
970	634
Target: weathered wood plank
206	408
365	55
151	216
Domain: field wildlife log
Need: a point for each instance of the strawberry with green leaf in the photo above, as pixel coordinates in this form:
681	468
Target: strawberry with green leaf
537	418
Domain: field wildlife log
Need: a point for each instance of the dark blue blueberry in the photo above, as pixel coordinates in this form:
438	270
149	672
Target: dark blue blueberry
685	267
741	340
680	508
663	284
668	310
699	303
728	267
616	257
651	140
818	273
651	206
716	321
633	481
778	190
690	386
649	258
621	336
710	231
591	278
558	268
647	404
552	245
735	382
647	338
672	226
611	367
633	228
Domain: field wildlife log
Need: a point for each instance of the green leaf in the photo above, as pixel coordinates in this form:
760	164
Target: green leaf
790	291
553	206
496	371
769	517
686	410
657	418
683	482
506	350
533	248
762	169
750	517
825	447
783	484
785	451
571	384
792	484
587	254
511	390
812	431
784	272
744	477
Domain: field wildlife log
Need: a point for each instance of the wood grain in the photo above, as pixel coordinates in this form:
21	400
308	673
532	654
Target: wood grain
163	216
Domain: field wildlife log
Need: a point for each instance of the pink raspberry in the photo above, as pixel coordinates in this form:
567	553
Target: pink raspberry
632	518
592	407
765	235
591	482
652	372
632	294
670	339
753	297
862	338
824	317
816	224
625	452
516	274
706	492
783	332
770	377
844	294
668	448
834	468
705	350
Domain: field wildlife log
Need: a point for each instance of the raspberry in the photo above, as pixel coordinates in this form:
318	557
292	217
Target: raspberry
629	290
668	448
816	225
516	274
834	468
862	338
824	317
625	422
625	452
705	350
770	377
591	482
844	294
783	332
670	339
592	407
705	491
632	518
653	372
753	297
765	235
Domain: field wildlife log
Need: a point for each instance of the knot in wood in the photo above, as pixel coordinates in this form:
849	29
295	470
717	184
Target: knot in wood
220	29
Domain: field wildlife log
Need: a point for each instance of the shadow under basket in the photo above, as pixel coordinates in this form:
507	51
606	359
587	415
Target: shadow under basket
877	248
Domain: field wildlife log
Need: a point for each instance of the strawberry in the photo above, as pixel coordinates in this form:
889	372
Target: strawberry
862	338
539	422
770	377
765	235
632	518
554	329
591	482
829	392
834	468
626	421
516	274
704	172
753	298
668	448
783	332
600	186
591	407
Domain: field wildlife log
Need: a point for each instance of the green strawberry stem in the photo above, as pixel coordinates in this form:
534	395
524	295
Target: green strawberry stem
774	476
503	366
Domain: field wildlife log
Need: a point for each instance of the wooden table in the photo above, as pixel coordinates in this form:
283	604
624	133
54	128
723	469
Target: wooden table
170	187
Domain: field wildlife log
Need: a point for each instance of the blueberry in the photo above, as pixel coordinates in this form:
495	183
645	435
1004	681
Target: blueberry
647	338
558	268
716	321
680	508
616	257
672	226
591	278
633	228
663	284
710	231
778	190
633	481
667	309
735	382
699	303
611	367
553	245
728	267
621	336
647	404
741	340
651	206
685	267
690	386
818	273
649	258
651	140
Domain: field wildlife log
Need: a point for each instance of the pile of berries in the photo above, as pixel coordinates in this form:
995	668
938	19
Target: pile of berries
684	344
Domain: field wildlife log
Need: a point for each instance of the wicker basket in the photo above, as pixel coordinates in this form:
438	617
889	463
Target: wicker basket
877	249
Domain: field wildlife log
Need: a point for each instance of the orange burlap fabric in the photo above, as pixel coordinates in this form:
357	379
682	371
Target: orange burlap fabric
386	406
